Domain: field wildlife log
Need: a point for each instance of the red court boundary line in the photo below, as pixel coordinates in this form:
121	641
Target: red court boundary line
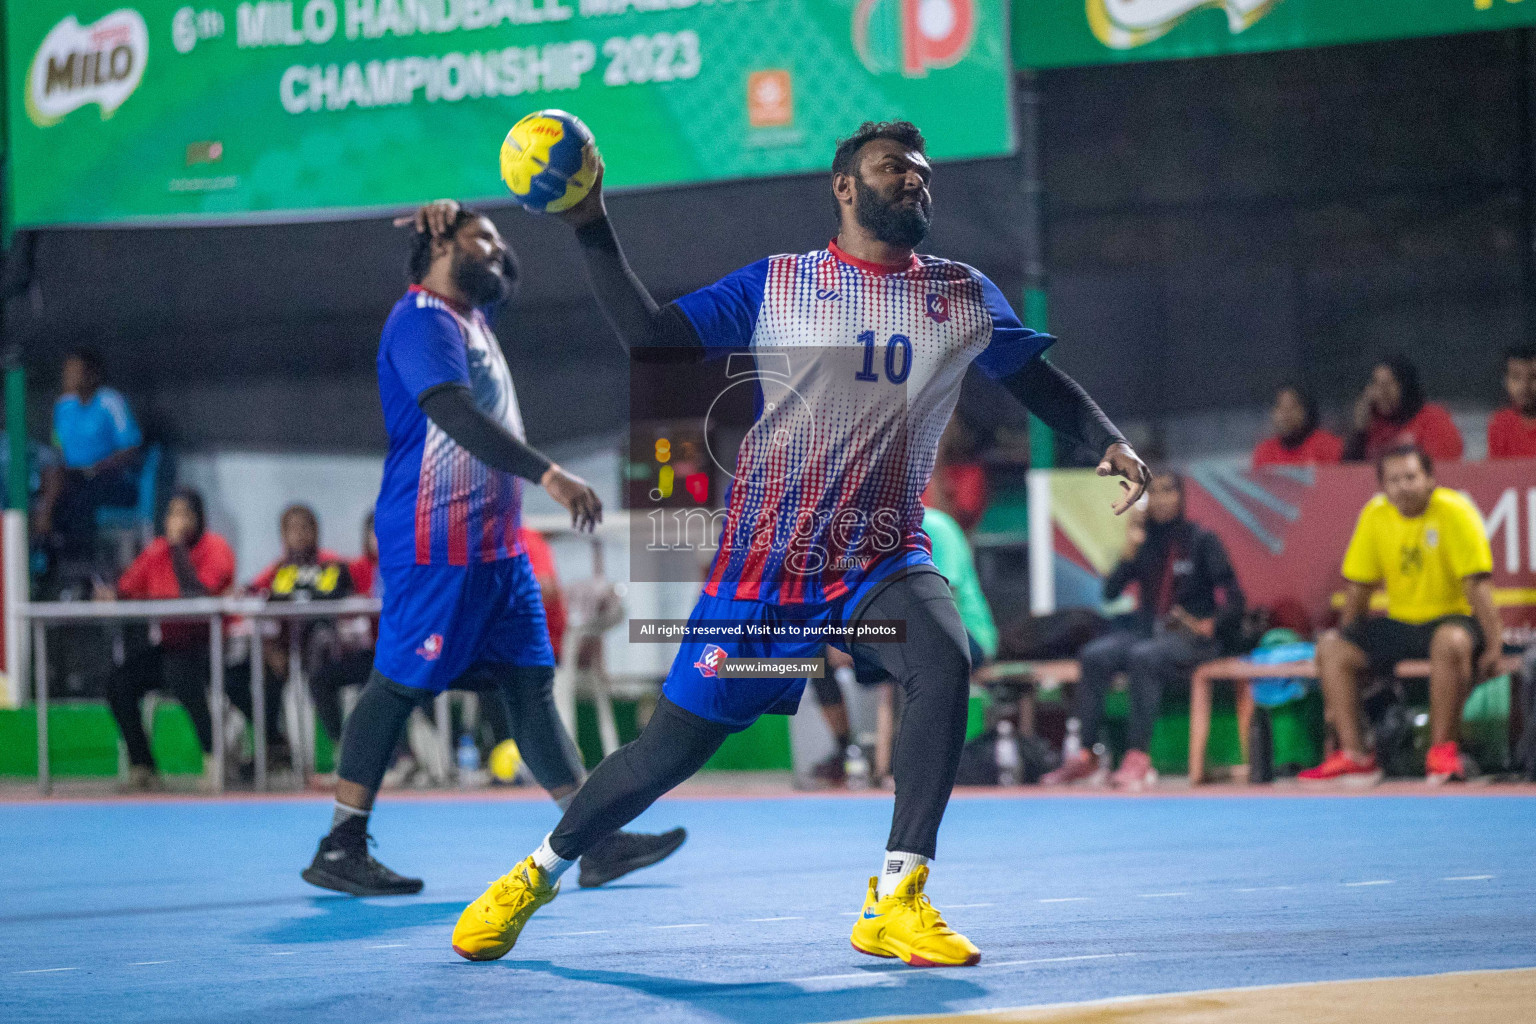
1397	790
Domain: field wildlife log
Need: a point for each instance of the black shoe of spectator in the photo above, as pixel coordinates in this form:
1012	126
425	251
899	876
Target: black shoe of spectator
830	769
344	864
624	852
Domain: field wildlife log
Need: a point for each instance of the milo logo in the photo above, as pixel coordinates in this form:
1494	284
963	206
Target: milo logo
912	36
101	63
1127	24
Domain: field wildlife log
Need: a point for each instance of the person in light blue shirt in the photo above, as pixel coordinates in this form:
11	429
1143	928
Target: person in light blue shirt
100	440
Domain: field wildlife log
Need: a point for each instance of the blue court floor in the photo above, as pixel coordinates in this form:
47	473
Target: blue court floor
194	911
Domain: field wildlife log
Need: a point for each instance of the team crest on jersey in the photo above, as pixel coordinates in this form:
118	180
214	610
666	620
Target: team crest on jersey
709	662
938	307
432	647
1432	537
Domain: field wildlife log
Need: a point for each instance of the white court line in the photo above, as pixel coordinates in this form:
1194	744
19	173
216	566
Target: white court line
286	952
1067	899
701	925
149	963
1159	895
1265	888
966	906
389	945
849	913
600	931
1374	881
760	920
1057	959
49	970
1467	878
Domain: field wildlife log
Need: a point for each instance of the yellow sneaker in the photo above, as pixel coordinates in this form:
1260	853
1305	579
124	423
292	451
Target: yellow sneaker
489	927
906	925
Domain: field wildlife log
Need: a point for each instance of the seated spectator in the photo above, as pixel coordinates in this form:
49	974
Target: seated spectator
1512	430
1428	547
96	432
1298	439
1187	590
188	560
305	571
1392	411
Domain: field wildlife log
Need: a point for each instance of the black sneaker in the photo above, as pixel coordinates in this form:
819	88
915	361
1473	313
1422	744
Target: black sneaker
831	770
624	852
346	866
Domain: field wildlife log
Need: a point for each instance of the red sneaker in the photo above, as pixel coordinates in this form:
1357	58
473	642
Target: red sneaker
1074	769
1341	767
1443	763
1135	773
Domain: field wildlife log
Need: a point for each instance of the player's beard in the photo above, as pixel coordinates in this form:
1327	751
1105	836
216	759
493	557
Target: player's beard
893	222
479	283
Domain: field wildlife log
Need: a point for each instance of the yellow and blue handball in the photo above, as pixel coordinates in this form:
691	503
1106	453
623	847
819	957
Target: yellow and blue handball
504	761
549	161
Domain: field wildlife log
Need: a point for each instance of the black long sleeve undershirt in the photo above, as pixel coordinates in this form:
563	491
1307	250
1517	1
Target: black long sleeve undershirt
649	332
1063	405
452	407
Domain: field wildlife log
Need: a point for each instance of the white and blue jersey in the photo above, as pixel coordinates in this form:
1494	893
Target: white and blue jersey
438	504
459	591
858	368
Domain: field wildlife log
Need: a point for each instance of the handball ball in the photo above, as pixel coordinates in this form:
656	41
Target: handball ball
505	758
549	161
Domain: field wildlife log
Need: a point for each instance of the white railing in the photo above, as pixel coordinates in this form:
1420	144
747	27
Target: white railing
41	614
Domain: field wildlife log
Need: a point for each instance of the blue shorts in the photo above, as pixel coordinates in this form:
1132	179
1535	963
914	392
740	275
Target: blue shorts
439	621
693	684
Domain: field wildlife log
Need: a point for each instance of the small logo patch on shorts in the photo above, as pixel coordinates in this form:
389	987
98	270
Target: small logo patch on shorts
709	662
431	647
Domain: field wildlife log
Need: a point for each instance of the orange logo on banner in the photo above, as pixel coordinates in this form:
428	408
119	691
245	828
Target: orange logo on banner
770	99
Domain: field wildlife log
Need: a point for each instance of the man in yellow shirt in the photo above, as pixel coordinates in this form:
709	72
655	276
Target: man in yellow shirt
1427	546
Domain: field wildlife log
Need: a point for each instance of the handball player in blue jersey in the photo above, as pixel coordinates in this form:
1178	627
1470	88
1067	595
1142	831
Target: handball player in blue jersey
462	608
860	349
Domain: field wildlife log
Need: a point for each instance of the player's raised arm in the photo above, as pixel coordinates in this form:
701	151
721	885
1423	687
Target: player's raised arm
646	330
1061	404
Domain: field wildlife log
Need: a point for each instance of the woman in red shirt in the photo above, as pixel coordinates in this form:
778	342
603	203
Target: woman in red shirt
187	561
1391	411
1298	439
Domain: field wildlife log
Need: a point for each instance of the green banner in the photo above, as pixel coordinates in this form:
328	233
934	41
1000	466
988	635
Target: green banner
1062	33
165	110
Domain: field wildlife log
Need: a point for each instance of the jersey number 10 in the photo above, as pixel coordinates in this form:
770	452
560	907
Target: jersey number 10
898	347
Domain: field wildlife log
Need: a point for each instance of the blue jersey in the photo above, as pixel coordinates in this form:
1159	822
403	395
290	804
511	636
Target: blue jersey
857	370
439	505
88	432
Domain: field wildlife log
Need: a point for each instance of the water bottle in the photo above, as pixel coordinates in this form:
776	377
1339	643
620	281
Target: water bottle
1261	748
856	767
1006	752
1072	746
468	756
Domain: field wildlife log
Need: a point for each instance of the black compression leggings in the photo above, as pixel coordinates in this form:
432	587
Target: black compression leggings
932	668
374	726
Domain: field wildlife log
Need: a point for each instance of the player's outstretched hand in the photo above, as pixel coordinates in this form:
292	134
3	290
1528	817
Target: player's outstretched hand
434	218
1121	460
576	496
591	207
